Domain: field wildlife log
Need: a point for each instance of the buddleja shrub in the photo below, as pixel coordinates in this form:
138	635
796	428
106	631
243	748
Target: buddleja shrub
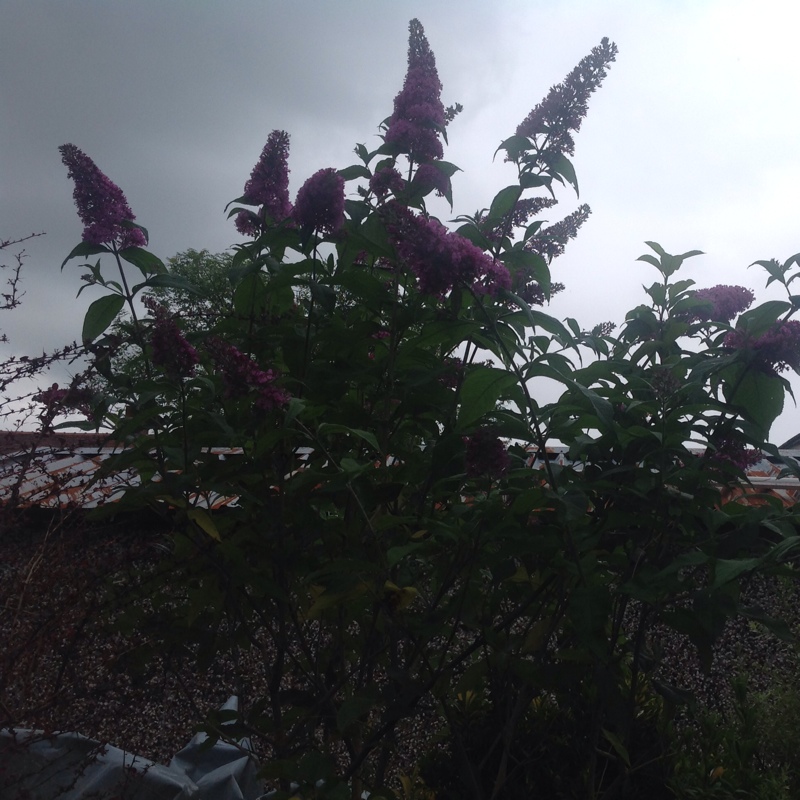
430	610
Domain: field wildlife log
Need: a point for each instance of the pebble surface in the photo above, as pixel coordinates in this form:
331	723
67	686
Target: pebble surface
61	670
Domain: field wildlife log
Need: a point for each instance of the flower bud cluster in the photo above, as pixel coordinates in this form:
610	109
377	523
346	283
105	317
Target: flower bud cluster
171	351
729	451
486	455
101	204
441	259
418	111
776	350
268	186
726	302
386	180
242	376
562	111
320	202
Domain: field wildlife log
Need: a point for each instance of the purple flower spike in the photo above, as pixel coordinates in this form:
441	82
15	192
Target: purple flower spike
386	180
776	350
101	204
486	455
418	110
726	302
242	376
171	351
562	111
320	202
268	186
441	259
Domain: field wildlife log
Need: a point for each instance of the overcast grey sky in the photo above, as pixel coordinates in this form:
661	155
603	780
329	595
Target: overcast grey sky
691	142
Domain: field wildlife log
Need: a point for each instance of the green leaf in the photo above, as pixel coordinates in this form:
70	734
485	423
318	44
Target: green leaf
446	167
760	319
530	181
667	263
515	146
775	270
619	748
482	388
328	428
759	394
100	315
563	167
315	766
728	569
532	263
601	406
84	249
251	295
203	520
356	171
538	319
166	280
147	263
355	708
504	202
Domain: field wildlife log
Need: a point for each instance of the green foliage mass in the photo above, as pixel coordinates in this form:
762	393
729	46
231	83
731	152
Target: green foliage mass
390	552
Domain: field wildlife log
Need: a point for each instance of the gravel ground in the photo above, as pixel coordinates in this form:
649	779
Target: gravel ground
60	671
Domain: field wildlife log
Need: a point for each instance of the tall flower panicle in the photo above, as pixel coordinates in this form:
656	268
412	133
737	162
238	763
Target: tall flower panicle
518	217
268	186
550	242
319	204
171	351
386	180
101	204
440	259
726	302
486	454
776	350
531	291
562	111
727	451
418	111
242	376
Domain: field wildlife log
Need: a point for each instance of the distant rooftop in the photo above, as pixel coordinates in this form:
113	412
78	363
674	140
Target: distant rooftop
62	470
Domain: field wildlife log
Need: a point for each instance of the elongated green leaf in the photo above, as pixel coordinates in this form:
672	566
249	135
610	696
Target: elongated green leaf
538	319
728	569
354	708
100	315
601	406
356	171
504	202
147	263
759	394
533	264
84	249
530	181
165	280
563	167
203	520
515	146
329	427
482	388
251	295
760	319
619	748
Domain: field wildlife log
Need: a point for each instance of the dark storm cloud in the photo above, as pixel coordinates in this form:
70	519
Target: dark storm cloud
691	141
